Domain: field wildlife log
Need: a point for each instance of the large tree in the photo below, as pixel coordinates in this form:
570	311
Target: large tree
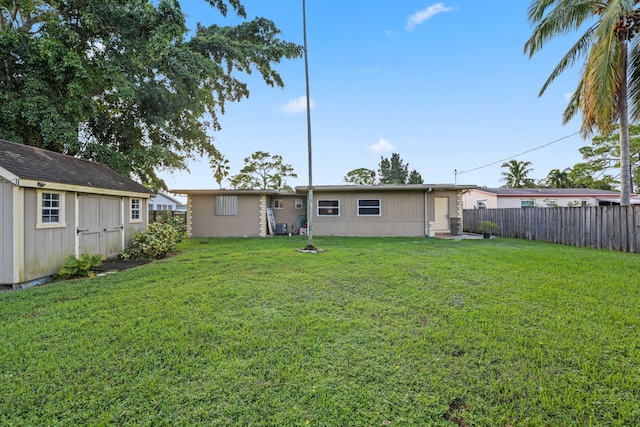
559	178
610	79
517	174
393	170
263	171
360	176
124	82
603	155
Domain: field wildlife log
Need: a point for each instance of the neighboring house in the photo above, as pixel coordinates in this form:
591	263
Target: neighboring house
53	206
164	202
340	210
498	198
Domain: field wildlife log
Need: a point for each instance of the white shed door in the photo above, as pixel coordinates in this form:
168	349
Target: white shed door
441	205
100	227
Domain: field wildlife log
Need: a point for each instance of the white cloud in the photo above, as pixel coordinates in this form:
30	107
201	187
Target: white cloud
296	106
425	14
382	146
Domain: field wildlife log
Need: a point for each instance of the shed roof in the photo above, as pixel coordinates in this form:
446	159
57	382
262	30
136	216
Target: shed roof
31	163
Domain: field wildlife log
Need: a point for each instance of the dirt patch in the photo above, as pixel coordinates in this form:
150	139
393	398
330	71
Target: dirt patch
457	408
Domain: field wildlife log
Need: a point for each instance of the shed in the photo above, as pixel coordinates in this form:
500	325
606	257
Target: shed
53	205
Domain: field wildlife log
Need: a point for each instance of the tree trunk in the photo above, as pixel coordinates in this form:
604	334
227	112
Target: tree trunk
625	170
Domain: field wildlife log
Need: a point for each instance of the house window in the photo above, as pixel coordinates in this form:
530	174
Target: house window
278	203
552	203
527	204
369	207
584	203
482	205
136	211
225	206
328	207
51	209
299	204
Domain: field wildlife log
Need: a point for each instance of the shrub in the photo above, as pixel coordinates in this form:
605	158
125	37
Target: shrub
79	267
177	222
156	242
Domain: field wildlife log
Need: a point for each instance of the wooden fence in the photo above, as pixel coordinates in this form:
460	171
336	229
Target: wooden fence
605	227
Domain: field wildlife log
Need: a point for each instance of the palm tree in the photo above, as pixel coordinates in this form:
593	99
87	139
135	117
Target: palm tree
220	166
559	178
517	173
610	79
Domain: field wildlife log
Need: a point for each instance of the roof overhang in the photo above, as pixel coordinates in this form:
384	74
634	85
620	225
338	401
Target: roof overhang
47	185
206	192
398	187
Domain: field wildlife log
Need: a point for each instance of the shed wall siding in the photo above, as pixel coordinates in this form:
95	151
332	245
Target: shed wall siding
402	214
206	224
6	232
131	228
45	249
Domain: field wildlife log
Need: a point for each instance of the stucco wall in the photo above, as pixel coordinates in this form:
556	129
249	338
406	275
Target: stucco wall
205	224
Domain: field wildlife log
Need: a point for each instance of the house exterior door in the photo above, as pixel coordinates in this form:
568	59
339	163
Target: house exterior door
100	226
441	206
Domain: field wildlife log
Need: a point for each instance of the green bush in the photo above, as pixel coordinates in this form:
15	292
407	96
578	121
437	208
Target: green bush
177	222
158	241
79	267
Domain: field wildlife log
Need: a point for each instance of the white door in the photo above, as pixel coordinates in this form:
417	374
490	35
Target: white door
100	227
441	205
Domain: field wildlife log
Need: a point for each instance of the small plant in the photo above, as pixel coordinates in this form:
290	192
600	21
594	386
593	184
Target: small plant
486	227
155	243
79	267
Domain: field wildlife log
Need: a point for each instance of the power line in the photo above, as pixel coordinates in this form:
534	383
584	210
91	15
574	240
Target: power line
517	155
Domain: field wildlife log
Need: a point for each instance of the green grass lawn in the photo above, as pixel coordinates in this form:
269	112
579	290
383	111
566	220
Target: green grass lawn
373	332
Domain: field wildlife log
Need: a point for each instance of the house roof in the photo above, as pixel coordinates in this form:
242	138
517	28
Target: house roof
24	162
168	197
233	192
546	192
387	187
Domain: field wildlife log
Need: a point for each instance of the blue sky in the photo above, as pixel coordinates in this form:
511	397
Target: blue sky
444	84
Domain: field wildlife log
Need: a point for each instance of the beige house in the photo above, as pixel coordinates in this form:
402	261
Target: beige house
505	198
340	210
53	206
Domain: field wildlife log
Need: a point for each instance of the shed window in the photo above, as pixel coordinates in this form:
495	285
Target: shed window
328	207
278	204
225	206
369	207
51	209
136	211
299	204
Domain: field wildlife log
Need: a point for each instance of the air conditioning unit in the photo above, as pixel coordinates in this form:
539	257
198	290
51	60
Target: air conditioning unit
281	229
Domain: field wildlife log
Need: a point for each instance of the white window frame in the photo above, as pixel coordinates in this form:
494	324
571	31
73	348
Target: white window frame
378	207
61	223
133	209
552	203
482	204
278	203
329	208
528	203
584	203
299	204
